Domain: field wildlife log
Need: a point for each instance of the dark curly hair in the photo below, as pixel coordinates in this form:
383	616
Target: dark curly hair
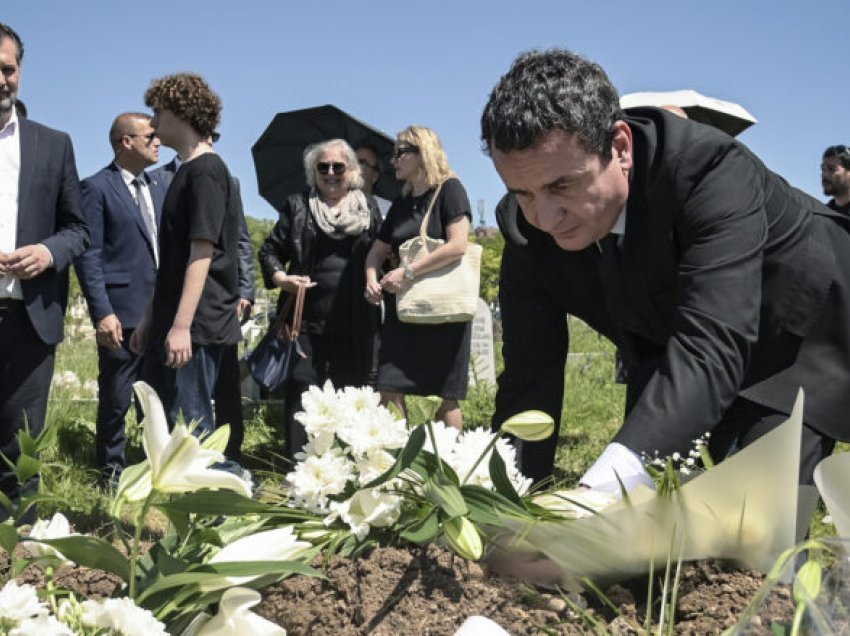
551	90
189	97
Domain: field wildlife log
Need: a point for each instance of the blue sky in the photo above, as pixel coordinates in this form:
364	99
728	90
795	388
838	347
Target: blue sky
394	63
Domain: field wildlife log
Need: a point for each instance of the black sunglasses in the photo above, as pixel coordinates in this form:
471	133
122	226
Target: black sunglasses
365	164
148	138
400	151
325	168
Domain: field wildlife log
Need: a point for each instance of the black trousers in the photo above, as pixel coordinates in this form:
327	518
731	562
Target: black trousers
117	370
26	369
228	400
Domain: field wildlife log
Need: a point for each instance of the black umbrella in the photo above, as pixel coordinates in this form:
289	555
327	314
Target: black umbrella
279	152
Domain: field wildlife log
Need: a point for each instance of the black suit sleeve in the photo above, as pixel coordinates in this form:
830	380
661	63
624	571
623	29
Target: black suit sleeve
71	237
245	251
720	231
534	346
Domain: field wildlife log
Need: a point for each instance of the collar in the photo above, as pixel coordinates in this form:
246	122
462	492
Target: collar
620	224
11	126
129	177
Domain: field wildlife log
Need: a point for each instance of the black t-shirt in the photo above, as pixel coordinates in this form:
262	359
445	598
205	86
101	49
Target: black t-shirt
200	204
405	215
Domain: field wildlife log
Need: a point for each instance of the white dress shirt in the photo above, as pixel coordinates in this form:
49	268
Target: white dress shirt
10	171
150	222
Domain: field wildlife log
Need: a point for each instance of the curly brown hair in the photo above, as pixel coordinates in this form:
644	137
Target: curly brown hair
189	97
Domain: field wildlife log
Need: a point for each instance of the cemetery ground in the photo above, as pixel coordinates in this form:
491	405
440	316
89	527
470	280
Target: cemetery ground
417	590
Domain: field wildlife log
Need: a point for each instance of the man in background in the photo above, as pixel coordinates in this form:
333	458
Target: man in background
835	178
122	205
42	231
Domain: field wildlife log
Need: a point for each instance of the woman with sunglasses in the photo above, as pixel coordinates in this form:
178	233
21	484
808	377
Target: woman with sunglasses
421	359
320	241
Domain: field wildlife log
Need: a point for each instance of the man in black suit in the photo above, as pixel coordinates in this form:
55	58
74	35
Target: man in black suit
835	177
725	288
41	232
122	204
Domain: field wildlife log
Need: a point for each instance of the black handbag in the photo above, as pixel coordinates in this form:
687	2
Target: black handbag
271	360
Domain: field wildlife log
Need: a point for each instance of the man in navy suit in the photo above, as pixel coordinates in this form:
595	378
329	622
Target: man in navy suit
122	204
41	232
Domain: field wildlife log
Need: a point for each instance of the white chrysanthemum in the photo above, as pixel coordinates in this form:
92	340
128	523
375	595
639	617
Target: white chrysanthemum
360	399
368	431
316	445
446	438
42	625
373	464
121	615
469	447
322	410
57	528
19	602
319	476
367	509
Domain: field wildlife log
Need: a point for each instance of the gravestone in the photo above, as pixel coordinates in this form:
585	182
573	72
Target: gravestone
482	363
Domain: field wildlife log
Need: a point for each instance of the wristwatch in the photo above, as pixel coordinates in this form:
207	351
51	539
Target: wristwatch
409	275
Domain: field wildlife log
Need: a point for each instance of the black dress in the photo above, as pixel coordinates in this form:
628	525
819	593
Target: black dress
423	359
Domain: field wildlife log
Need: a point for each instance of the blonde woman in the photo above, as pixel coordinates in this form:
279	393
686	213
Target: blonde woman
421	359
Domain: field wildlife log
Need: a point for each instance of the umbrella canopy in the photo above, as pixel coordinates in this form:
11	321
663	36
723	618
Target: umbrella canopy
729	117
279	152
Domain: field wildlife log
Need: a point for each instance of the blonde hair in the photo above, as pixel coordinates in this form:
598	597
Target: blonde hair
434	166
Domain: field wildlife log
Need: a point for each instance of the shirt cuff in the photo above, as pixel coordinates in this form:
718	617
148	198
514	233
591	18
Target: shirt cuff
616	461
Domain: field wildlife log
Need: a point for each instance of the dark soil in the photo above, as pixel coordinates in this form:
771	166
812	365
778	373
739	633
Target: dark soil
431	591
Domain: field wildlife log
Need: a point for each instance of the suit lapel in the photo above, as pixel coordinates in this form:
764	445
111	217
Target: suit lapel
29	139
158	189
123	192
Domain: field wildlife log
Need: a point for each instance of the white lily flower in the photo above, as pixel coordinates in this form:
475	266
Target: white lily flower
178	461
57	528
368	508
42	625
279	544
234	617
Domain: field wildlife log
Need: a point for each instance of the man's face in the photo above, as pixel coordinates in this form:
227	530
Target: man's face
834	177
142	143
566	191
369	167
10	77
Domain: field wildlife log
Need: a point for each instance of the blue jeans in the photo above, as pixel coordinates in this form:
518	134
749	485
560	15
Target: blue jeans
190	388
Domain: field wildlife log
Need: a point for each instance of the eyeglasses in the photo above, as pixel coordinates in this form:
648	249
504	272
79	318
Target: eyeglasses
148	138
325	168
400	151
365	164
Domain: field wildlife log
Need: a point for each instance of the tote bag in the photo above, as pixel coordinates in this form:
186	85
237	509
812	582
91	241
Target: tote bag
449	294
271	360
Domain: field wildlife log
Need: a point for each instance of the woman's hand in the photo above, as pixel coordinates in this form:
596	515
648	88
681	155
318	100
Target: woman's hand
291	283
373	293
394	281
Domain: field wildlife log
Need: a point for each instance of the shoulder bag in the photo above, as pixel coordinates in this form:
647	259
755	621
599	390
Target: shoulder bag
449	294
270	362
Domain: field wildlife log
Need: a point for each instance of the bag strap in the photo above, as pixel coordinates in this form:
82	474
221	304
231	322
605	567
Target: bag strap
423	229
299	310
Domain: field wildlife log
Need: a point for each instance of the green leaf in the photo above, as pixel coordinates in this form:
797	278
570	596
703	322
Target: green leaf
27	501
93	553
426	464
47	438
499	476
6	502
807	583
463	537
212	573
422	530
480	498
8	537
218	502
27	467
405	458
26	443
444	494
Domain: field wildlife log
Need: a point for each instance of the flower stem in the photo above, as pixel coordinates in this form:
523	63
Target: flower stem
487	450
137	540
430	428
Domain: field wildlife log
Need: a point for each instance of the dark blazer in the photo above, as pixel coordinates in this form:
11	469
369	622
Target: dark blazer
49	213
728	282
118	271
244	247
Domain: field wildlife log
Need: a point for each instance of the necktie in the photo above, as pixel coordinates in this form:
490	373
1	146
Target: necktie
147	215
